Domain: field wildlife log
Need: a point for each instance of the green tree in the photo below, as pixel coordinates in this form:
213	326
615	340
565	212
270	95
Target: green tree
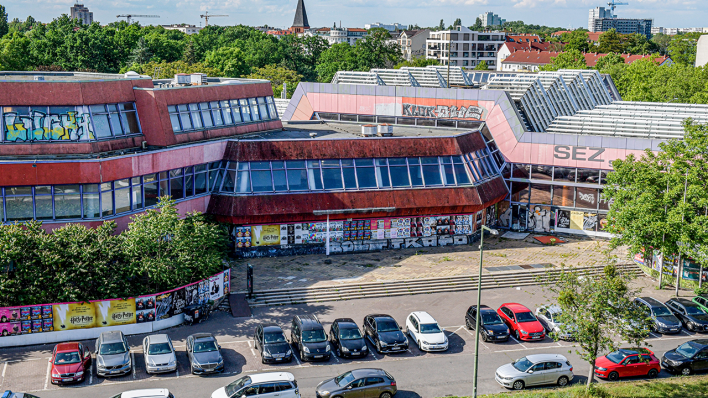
418	62
26	280
662	42
577	40
682	50
141	54
3	21
441	26
228	60
482	65
189	55
169	69
572	59
639	44
14	52
458	22
277	76
477	25
340	56
608	61
377	51
380	32
610	42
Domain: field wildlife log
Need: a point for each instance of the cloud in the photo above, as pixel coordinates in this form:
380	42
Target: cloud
534	3
461	2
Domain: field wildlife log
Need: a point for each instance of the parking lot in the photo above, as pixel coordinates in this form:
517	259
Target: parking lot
417	373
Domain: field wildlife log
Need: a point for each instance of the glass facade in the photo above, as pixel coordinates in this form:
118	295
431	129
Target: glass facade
217	114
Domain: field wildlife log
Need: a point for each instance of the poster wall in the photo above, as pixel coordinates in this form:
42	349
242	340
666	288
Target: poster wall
69	316
115	312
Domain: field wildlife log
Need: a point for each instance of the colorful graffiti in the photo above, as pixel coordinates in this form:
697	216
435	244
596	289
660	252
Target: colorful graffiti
40	126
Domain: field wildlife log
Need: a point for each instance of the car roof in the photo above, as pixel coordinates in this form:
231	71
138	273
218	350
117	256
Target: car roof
72	346
309	322
699	341
545	357
271	376
365	372
158	338
424	317
516	307
631	351
377	316
147	393
346	323
113	336
553	309
651	301
271	328
685	301
197	336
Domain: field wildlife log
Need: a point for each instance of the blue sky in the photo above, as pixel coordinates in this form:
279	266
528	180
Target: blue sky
356	13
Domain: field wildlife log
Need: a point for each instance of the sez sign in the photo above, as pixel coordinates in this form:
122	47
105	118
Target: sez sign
424	107
586	153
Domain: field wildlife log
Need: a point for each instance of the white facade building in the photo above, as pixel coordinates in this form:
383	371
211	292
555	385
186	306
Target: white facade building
339	35
412	43
465	47
598	13
389	27
491	19
702	51
184	28
676	31
82	13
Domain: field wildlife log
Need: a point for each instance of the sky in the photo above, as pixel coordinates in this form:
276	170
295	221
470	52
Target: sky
356	13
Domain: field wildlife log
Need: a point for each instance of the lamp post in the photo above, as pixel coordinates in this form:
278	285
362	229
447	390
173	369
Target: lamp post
479	299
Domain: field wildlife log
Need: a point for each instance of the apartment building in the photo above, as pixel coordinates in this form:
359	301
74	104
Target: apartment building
465	47
412	43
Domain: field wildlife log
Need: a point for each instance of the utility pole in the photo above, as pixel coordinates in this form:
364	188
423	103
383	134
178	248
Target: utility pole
449	51
680	264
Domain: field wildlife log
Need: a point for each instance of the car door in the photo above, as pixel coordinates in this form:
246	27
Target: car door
412	327
268	390
552	372
85	355
145	350
334	335
507	317
631	366
537	375
374	387
355	389
367	327
700	360
285	390
472	317
190	343
258	339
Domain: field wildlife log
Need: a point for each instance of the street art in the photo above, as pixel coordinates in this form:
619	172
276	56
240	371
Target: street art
540	219
443	111
40	126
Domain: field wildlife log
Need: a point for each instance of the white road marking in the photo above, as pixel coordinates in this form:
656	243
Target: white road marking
177	372
4	368
132	361
91	374
686	333
517	341
252	350
335	357
297	359
49	371
655	335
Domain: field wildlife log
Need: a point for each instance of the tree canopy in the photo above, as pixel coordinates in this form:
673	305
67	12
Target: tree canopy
572	59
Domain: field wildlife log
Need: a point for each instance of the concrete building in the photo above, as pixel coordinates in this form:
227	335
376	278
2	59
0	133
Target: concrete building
389	27
598	13
184	28
465	47
412	43
675	31
82	13
491	19
531	61
702	51
602	20
339	35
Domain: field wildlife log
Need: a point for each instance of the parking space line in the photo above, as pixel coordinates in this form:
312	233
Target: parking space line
132	361
686	333
481	341
49	371
252	350
655	335
335	357
91	373
4	368
517	341
177	372
297	359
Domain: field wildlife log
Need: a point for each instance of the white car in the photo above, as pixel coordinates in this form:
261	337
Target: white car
280	384
148	393
424	330
549	318
159	354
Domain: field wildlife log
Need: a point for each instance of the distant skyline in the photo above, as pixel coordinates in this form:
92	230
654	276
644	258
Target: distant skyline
356	13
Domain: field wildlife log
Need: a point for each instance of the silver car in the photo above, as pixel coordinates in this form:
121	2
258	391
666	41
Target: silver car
112	354
535	370
159	354
549	318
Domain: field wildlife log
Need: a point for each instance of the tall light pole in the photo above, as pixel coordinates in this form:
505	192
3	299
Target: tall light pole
479	299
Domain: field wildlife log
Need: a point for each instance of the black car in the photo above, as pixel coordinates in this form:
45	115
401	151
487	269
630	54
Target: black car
271	343
493	328
688	358
204	354
664	321
692	316
308	336
346	338
384	333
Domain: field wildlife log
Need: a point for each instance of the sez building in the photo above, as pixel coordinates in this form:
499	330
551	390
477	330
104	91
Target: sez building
521	151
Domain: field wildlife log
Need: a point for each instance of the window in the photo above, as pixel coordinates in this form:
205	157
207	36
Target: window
206	115
370	381
563	196
332	175
43	203
365	173
122	195
106	199
415	171
110	120
399	173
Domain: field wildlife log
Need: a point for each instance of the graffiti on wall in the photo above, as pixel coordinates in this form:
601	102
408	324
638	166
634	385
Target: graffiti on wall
540	219
443	111
40	126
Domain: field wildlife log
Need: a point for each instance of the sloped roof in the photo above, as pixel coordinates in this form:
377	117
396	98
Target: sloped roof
544	57
523	38
301	15
515	46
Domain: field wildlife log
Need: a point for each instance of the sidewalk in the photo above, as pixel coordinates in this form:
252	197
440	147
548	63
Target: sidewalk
500	255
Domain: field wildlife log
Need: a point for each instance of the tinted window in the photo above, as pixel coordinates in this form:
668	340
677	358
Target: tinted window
204	346
694	310
616	356
349	334
284	385
344	379
385	325
661	311
159	349
112	348
688	350
525	317
276	337
313	336
268	388
522	364
490	318
374	380
430	328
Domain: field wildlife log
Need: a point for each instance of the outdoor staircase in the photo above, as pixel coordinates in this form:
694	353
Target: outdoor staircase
352	291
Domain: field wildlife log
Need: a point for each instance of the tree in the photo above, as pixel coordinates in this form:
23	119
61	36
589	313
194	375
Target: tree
189	55
341	56
380	32
418	62
662	42
572	59
441	26
482	65
610	42
639	44
477	25
682	50
458	22
14	52
577	40
608	61
377	51
228	60
3	21
169	69
277	76
141	54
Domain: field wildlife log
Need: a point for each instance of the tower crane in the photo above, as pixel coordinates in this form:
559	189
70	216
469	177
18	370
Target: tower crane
129	17
206	17
614	3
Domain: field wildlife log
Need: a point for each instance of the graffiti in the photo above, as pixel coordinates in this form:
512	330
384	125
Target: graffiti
40	126
586	197
540	219
443	111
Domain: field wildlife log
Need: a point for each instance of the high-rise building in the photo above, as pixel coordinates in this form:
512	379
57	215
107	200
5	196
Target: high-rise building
82	13
300	23
491	19
602	20
598	13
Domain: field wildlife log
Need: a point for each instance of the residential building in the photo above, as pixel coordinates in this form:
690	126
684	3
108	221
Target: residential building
625	26
491	19
464	47
675	31
531	61
184	28
412	43
702	51
511	47
523	38
389	27
300	22
598	13
339	35
278	33
82	13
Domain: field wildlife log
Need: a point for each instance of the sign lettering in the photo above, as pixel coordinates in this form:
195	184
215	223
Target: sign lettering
585	153
443	111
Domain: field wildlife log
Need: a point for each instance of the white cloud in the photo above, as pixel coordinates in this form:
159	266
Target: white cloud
462	2
534	3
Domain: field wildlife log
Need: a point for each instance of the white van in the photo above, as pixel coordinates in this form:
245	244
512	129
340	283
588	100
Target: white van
147	393
261	385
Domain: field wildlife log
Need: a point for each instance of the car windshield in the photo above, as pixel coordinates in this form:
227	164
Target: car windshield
525	317
313	336
159	348
344	379
275	337
661	311
236	385
386	325
112	348
67	358
490	318
204	346
522	364
349	334
617	356
694	310
427	328
688	350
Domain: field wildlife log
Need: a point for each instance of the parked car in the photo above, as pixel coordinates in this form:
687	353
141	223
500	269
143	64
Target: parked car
384	333
113	354
702	301
424	330
359	383
146	393
159	354
493	328
204	354
280	384
521	322
534	370
309	338
550	319
346	338
692	316
70	363
664	321
688	358
271	343
10	394
627	362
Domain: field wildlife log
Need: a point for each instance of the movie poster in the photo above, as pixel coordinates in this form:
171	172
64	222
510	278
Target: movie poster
115	312
265	235
74	316
179	301
163	305
216	287
145	309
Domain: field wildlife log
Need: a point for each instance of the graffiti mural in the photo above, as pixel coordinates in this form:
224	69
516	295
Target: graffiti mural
443	111
69	125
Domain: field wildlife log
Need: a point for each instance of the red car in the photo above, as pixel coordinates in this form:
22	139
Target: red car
627	363
521	322
71	362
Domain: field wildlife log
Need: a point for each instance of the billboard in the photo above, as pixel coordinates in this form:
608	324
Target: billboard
265	235
115	312
69	316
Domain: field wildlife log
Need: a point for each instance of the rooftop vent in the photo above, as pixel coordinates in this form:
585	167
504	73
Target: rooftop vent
131	75
368	130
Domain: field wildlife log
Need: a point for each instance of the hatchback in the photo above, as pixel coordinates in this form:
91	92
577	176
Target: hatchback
534	370
270	341
627	363
550	319
358	383
424	330
688	358
702	301
492	327
113	354
384	333
10	394
664	321
159	354
277	384
346	338
521	322
204	354
70	363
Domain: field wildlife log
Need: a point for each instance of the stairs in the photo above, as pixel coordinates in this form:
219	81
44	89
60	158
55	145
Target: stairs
303	295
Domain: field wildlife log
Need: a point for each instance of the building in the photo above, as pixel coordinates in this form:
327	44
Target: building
625	26
82	13
702	51
389	27
412	43
598	13
300	22
675	31
279	33
339	35
531	61
468	47
184	28
491	19
513	45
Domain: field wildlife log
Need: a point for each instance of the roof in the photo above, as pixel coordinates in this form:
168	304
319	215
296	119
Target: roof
112	336
271	328
158	338
685	301
356	30
544	57
359	373
197	336
560	32
71	346
516	307
147	393
594	36
523	38
271	376
376	316
650	301
32	76
349	131
345	320
545	357
301	16
518	46
424	317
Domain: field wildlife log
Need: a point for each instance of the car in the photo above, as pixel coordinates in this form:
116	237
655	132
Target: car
691	314
359	383
424	330
627	362
280	384
702	301
384	333
535	370
346	339
493	328
271	343
550	319
10	394
113	354
159	354
70	363
204	354
308	336
146	393
664	321
521	322
688	358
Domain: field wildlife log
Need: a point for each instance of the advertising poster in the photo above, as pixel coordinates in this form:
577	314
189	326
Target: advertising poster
265	235
10	328
216	287
179	301
576	219
563	219
195	294
115	312
71	316
8	314
227	281
690	270
163	305
589	221
145	309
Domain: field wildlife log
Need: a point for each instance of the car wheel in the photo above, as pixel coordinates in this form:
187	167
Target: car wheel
518	385
378	347
562	381
467	323
385	394
614	376
339	352
191	369
653	373
484	337
686	371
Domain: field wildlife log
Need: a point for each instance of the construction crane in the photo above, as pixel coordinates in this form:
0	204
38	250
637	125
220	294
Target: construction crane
206	17
129	17
614	4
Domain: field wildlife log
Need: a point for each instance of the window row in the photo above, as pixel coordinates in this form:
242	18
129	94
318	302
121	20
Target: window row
403	121
564	174
559	195
95	201
206	115
357	174
69	123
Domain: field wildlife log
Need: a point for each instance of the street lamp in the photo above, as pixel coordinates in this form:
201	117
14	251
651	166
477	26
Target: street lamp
479	299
